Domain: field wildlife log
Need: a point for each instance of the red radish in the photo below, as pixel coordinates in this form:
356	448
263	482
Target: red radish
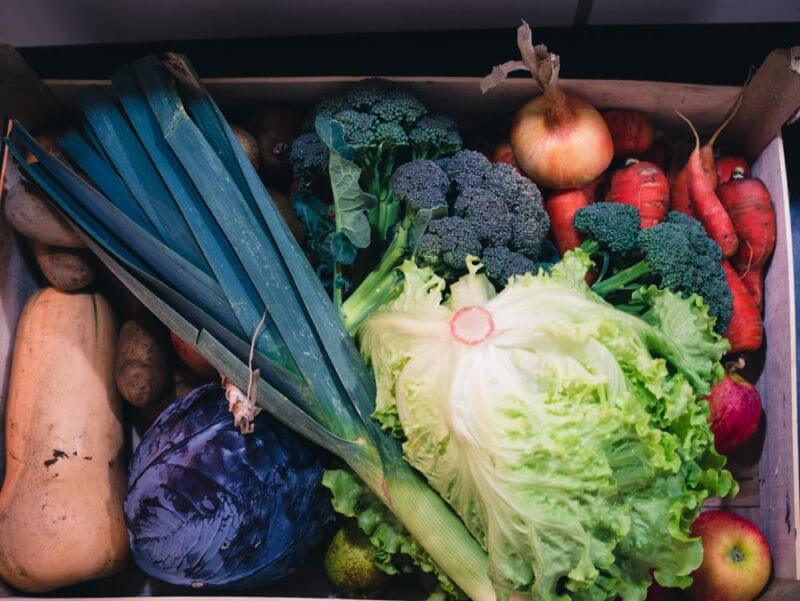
561	207
726	166
746	330
658	155
735	412
560	140
631	131
706	205
747	201
643	186
503	153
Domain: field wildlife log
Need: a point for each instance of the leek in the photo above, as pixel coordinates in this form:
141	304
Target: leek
169	158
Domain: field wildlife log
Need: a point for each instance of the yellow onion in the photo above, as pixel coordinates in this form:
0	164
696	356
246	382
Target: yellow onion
559	140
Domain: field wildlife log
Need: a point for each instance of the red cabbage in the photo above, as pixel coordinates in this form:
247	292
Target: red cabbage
209	506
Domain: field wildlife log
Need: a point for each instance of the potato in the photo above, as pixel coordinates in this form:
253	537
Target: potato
285	207
30	213
141	365
184	381
248	143
275	127
67	269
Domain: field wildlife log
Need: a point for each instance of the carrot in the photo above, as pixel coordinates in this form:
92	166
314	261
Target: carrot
643	186
631	131
746	330
754	282
680	195
747	201
705	203
726	166
561	207
503	153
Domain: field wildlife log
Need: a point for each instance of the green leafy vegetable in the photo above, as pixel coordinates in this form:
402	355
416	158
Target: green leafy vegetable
570	437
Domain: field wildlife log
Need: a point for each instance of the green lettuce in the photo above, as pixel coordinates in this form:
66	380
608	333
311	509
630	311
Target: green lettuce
573	440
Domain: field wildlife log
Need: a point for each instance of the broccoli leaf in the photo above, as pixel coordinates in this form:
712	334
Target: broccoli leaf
350	201
332	134
394	550
339	247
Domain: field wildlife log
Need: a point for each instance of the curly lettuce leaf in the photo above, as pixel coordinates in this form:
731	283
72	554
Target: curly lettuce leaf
395	551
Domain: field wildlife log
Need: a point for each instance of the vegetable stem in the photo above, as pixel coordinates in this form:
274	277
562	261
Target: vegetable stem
378	288
622	278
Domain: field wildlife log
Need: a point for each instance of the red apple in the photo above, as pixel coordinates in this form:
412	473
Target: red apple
192	359
735	412
736	558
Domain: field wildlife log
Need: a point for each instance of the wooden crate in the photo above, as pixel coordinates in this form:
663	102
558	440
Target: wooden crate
768	468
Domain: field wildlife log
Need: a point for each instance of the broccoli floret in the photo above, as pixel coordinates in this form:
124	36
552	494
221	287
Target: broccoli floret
399	107
698	239
489	215
447	243
501	263
434	136
358	127
309	157
389	134
466	169
366	93
421	184
676	257
609	226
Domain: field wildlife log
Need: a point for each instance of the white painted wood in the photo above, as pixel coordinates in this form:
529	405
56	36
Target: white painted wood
778	467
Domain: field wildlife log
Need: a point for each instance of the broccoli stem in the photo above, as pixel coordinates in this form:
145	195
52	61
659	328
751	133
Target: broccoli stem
378	288
622	278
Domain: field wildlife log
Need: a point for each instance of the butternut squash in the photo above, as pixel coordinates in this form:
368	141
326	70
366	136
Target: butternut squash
61	505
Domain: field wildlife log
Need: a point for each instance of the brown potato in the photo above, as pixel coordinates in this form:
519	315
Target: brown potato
285	207
142	363
275	127
67	269
30	213
248	143
184	381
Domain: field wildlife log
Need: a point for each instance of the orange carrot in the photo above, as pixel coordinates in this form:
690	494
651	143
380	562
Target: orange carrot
643	186
754	282
561	207
680	195
705	203
746	330
747	201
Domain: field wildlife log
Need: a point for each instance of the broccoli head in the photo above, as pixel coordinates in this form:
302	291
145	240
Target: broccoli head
420	184
466	169
447	243
309	157
501	263
490	216
609	226
679	256
400	107
434	136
